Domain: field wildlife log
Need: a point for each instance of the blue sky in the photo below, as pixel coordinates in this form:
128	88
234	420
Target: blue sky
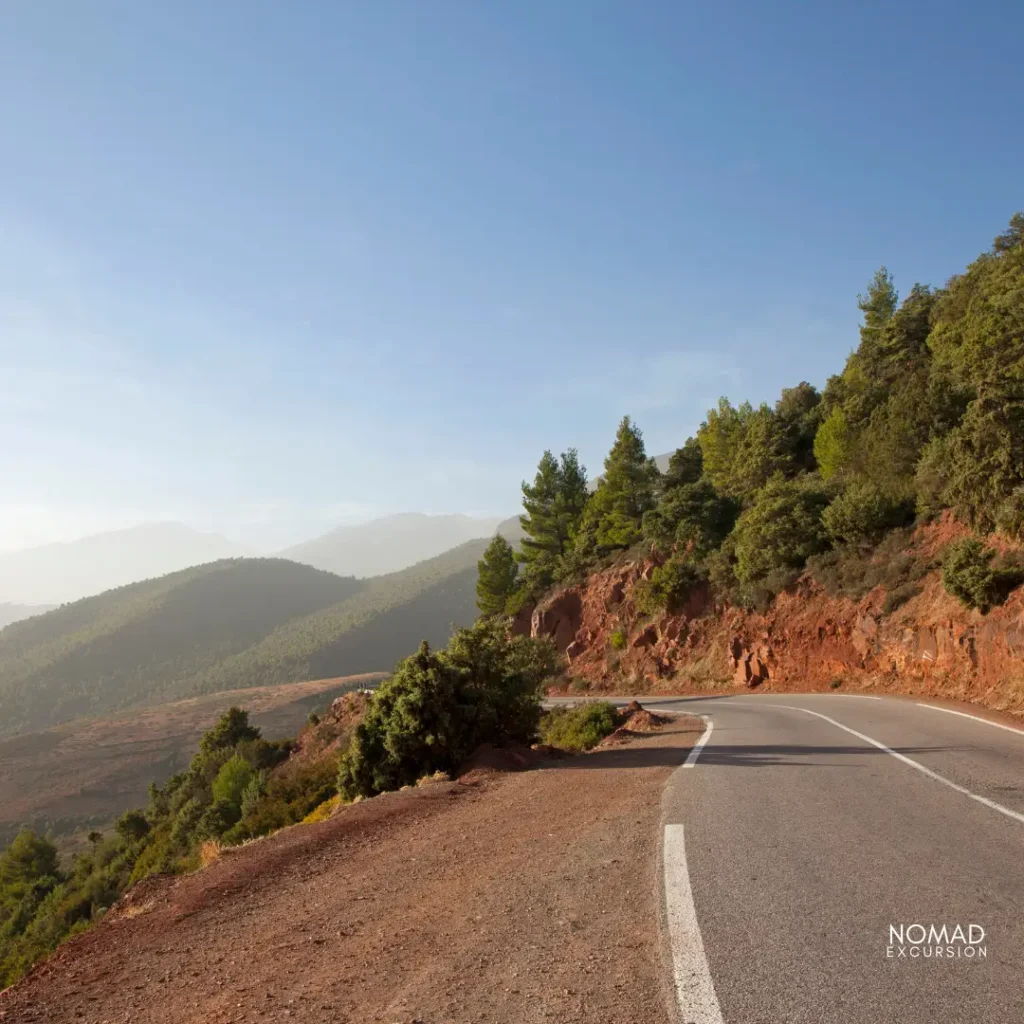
265	267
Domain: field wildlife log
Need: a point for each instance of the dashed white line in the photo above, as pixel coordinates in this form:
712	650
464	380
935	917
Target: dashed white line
695	991
691	758
991	804
976	718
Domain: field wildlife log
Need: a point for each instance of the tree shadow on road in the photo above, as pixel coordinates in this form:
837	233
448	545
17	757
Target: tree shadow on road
739	756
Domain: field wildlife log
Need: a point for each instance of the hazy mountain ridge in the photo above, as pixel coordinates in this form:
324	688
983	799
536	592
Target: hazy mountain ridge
389	544
16	612
57	573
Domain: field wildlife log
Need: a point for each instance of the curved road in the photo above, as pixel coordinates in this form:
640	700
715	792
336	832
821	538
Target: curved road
808	827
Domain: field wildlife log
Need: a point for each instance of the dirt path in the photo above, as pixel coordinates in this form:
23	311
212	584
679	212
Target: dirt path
519	898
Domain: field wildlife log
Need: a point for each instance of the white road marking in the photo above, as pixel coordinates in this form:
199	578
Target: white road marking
691	758
858	696
695	991
976	718
906	760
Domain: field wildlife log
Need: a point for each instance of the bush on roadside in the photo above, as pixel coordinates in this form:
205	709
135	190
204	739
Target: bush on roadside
618	640
579	727
439	706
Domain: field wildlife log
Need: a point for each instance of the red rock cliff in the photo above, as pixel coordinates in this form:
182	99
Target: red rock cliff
806	640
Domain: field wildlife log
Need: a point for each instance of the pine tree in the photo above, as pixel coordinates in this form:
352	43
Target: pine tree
626	492
554	506
878	306
497	577
572	497
685	466
540	523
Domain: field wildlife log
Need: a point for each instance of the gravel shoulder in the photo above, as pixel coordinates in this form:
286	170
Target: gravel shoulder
515	898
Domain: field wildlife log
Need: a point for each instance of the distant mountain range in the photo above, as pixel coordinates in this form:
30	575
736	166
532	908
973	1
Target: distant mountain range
16	612
56	573
389	544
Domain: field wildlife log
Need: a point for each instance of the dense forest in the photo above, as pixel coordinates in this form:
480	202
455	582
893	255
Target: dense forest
926	415
222	626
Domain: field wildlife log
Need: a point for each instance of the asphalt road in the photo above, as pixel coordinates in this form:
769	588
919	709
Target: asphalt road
795	841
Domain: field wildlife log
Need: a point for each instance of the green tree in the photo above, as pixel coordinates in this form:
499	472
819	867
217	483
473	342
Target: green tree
438	707
878	304
780	530
497	577
232	780
573	495
625	493
744	447
834	445
691	516
798	414
979	319
986	457
29	860
231	729
553	505
968	573
862	513
720	437
132	826
684	467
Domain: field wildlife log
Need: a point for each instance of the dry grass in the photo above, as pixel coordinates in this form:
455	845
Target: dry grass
322	811
209	851
138	909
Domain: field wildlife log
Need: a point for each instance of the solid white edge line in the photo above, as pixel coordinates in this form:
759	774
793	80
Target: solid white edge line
976	718
695	991
991	804
691	758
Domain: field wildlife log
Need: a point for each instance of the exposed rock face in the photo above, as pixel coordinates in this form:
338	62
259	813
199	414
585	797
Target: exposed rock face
806	640
749	666
558	617
522	621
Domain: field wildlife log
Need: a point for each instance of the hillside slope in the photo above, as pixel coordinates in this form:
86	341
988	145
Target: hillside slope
389	544
55	573
224	626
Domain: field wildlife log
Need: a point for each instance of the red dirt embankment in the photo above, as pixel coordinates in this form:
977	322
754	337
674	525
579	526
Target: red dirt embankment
929	645
517	898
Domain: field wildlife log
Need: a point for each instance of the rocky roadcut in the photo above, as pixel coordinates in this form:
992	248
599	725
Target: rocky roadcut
514	898
930	644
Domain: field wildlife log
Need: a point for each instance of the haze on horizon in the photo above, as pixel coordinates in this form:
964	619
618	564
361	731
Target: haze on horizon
266	271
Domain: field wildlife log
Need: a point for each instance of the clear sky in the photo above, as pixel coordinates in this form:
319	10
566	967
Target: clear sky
268	266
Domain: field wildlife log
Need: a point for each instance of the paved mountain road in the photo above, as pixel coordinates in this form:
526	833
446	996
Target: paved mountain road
800	843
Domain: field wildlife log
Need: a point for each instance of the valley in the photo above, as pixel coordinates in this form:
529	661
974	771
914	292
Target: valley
69	779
